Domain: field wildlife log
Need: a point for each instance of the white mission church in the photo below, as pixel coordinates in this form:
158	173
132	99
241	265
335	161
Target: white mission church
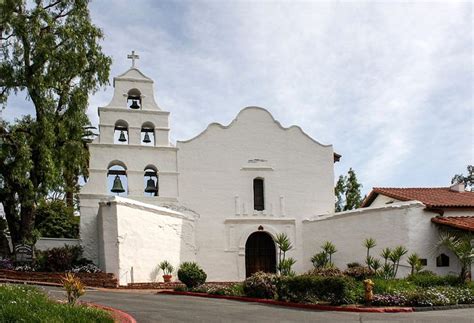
221	197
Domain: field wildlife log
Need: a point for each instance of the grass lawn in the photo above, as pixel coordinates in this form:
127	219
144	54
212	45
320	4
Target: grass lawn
28	304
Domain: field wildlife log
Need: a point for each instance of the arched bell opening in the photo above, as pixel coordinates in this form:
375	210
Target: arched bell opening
134	99
148	134
117	182
260	253
121	132
150	181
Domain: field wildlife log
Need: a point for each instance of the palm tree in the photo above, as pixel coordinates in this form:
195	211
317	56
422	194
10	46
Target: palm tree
460	245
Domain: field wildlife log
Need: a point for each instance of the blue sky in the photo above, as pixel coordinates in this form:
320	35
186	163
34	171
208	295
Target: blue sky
390	85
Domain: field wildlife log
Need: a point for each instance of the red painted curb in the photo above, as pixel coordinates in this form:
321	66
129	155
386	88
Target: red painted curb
118	315
298	305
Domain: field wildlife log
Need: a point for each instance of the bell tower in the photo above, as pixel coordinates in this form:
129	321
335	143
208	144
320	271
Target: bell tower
132	156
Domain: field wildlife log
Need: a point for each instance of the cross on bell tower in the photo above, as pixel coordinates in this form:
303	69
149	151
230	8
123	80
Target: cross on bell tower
133	57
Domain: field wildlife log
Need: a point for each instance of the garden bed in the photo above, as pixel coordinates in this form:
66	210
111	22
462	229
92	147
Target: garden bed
320	307
89	279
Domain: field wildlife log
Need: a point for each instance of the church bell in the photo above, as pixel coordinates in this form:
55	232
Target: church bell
146	139
117	187
150	186
134	105
122	137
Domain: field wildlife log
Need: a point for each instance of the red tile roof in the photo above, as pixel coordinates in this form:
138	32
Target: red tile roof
458	222
432	197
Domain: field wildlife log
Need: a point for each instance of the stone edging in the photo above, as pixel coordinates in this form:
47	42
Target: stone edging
298	305
118	315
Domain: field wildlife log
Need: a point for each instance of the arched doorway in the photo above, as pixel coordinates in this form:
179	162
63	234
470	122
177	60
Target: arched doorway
260	253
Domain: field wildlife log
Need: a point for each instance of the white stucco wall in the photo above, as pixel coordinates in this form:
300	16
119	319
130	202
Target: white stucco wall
216	172
135	237
382	200
391	225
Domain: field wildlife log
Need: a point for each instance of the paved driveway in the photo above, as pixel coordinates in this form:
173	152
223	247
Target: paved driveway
149	307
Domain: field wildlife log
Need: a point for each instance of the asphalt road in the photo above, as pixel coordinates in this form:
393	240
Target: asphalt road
149	307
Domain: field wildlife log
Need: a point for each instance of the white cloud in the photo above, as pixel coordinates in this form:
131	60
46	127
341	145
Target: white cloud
389	84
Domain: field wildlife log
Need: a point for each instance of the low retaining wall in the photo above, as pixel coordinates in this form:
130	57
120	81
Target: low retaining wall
89	279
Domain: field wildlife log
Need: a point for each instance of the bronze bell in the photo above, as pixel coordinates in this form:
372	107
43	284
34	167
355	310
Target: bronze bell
146	139
122	137
150	186
134	105
117	187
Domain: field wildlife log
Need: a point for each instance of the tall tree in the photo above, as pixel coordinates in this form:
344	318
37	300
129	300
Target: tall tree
467	180
347	191
51	52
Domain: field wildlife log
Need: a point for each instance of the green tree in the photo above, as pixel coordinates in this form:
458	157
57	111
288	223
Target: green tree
339	192
467	180
348	192
54	219
51	52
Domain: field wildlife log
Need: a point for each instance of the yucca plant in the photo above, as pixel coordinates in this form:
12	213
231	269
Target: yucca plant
369	243
284	245
166	267
395	256
460	245
73	286
329	248
415	263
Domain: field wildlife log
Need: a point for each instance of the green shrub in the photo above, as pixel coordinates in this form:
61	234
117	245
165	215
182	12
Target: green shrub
217	289
191	274
60	259
314	289
28	304
261	285
429	280
439	296
359	272
326	272
390	286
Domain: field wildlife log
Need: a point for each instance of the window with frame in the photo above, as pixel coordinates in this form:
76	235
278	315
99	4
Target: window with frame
258	194
442	260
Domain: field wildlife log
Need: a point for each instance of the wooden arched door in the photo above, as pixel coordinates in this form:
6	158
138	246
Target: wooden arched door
260	253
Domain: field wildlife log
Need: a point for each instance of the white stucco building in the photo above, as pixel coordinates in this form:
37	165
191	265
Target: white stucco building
221	197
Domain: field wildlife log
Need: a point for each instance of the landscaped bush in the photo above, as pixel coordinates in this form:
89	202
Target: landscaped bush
326	272
391	286
60	259
67	258
315	289
191	274
6	263
430	280
389	300
27	304
216	289
359	272
261	285
89	268
439	296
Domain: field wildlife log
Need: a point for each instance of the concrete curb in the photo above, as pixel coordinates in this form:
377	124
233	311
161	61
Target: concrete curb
298	305
118	315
